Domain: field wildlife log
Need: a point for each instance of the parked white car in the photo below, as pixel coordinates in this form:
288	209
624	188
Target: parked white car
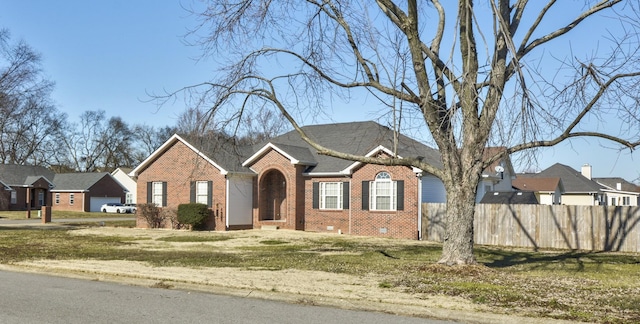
117	208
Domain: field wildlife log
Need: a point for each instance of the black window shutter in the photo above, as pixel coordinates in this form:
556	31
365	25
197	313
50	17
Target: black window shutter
345	195
149	192
365	195
164	194
209	194
400	193
192	192
316	195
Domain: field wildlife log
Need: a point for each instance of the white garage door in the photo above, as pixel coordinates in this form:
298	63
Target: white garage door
96	202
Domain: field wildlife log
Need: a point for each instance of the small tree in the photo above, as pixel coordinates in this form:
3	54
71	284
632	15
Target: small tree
151	214
193	214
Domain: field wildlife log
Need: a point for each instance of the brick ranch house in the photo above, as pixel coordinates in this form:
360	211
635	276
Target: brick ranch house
24	187
286	184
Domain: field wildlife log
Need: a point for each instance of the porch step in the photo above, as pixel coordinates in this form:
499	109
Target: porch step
269	227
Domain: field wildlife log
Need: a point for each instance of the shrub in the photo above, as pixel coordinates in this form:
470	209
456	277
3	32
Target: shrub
171	215
151	214
193	214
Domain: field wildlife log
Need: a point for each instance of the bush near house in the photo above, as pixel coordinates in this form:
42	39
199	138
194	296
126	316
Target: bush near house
193	214
151	214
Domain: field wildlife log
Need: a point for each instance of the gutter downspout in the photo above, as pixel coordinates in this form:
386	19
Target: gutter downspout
350	203
420	207
227	203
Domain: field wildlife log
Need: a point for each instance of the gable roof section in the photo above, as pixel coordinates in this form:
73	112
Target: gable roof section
78	181
572	181
223	156
359	138
537	184
295	154
505	162
612	184
23	175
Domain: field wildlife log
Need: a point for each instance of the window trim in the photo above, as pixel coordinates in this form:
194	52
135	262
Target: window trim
57	198
72	198
338	195
157	198
202	192
374	188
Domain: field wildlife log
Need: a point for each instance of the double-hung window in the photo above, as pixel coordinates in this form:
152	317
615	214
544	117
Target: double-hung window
331	195
383	192
157	193
202	192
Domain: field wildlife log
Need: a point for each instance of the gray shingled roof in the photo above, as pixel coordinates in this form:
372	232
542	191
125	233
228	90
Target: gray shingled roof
613	184
77	181
20	175
224	153
509	198
573	181
354	138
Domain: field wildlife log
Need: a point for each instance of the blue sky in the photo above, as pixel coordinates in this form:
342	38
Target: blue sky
108	55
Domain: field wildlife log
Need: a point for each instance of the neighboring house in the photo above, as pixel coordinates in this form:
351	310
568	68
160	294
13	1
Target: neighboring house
287	184
579	187
85	192
510	198
620	192
24	187
497	176
548	191
129	183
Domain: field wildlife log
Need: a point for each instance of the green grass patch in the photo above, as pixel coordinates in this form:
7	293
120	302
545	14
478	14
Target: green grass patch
186	239
273	242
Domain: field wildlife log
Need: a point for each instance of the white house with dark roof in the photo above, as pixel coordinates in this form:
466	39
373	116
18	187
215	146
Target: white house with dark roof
620	192
129	183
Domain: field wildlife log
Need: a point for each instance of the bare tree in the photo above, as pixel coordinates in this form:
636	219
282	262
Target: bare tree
27	117
83	143
148	139
467	67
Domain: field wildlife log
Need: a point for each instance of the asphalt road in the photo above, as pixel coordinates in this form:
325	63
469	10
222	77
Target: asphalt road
31	298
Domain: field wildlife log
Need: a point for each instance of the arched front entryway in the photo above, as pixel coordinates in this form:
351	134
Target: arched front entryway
273	196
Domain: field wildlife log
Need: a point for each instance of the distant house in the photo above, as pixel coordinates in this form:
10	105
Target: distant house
24	187
620	192
510	198
548	191
286	184
85	192
122	176
579	188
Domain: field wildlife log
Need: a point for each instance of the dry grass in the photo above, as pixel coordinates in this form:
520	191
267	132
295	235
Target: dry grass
590	287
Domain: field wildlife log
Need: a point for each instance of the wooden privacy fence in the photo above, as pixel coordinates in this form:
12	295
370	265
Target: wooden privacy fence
595	228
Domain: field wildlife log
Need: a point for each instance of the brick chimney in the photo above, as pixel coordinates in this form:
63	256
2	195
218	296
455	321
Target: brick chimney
586	171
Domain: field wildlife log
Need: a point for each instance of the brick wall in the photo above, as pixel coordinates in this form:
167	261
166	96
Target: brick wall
178	166
65	201
397	224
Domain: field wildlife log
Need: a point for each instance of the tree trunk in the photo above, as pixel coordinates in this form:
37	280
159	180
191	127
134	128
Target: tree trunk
461	185
457	248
